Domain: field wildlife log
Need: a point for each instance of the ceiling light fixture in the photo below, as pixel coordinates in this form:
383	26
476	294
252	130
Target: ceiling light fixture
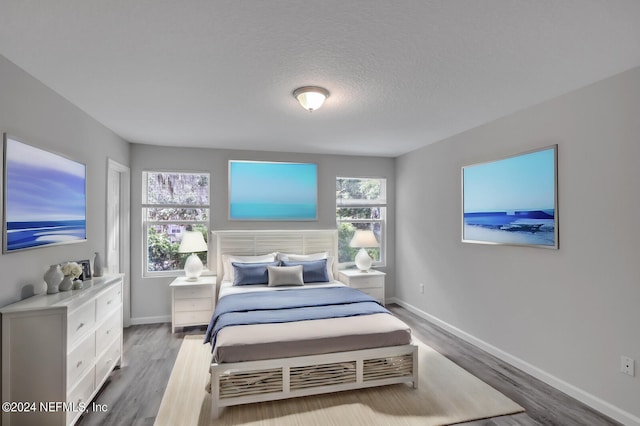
311	97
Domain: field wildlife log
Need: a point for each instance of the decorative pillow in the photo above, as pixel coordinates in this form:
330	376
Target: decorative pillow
228	259
251	273
313	271
285	275
307	257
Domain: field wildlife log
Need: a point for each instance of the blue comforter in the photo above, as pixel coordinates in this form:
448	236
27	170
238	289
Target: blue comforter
290	305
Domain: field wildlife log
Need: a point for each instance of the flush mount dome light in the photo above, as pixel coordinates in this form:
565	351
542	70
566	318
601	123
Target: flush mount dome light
311	97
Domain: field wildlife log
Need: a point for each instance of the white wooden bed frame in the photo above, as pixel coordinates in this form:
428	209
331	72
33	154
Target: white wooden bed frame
274	379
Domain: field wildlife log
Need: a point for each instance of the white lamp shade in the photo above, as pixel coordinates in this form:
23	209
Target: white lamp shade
192	242
310	97
364	238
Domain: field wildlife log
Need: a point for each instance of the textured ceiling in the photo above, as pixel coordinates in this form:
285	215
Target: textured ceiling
402	74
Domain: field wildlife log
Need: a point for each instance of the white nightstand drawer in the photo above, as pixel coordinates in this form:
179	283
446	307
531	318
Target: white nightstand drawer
371	282
364	282
193	292
192	318
182	305
376	293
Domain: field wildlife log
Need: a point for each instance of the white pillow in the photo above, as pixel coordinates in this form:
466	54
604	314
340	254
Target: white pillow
285	275
227	259
307	257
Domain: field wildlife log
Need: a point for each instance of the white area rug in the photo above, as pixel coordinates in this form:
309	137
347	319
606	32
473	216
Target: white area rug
447	394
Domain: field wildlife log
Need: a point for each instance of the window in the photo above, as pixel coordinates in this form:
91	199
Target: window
361	203
172	202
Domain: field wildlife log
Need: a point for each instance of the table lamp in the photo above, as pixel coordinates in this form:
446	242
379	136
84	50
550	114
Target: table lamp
192	242
363	239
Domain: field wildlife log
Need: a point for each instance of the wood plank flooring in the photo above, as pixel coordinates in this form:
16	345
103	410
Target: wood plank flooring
133	393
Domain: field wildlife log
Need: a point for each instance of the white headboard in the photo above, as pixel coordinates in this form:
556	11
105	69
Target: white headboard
255	242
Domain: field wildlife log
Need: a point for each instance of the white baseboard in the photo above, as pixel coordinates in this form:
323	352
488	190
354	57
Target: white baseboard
150	320
571	390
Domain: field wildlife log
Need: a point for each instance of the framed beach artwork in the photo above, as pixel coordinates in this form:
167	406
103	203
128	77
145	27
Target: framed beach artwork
512	200
44	198
263	190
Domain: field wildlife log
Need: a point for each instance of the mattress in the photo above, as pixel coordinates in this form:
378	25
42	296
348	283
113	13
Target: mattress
311	337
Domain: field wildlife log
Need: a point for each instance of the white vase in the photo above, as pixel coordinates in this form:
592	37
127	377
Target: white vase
53	277
97	266
66	284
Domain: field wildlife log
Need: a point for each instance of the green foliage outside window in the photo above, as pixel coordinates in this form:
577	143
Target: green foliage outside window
173	202
163	253
360	204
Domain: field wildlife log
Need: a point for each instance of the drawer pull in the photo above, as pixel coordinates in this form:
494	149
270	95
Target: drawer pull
78	364
108	331
109	302
80	326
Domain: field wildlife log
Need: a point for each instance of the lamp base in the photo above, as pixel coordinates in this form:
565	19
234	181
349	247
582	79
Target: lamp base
363	260
193	267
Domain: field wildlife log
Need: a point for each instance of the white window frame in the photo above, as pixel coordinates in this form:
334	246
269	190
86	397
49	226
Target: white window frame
364	203
146	223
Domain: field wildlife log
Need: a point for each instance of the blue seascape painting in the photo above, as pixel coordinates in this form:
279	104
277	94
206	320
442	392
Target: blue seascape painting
261	190
512	201
45	198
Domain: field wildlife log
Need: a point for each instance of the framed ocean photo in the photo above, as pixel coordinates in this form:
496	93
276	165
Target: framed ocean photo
513	200
265	191
44	198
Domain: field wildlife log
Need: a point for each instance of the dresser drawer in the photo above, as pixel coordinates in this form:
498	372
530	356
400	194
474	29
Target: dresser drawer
192	318
109	330
80	322
193	292
81	359
108	301
81	393
107	361
182	305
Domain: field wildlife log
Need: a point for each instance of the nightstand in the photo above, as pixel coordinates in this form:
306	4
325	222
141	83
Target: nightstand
192	302
371	282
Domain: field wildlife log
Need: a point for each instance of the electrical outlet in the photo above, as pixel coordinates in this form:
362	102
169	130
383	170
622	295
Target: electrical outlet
626	365
421	288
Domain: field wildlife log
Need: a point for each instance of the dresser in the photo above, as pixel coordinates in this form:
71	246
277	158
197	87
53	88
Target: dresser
192	302
58	350
370	282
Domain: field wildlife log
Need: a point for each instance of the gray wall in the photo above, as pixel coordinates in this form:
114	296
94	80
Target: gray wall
37	115
565	315
151	297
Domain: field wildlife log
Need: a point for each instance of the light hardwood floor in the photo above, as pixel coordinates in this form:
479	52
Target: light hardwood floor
133	394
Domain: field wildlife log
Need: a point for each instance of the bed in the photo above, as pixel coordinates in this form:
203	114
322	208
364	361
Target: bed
343	341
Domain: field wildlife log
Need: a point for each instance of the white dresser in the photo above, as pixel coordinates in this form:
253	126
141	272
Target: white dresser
192	302
58	350
371	282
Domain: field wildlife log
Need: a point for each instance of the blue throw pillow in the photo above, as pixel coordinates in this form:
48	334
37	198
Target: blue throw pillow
251	273
313	271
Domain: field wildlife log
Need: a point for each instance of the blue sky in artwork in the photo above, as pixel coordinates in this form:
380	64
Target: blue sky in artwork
280	183
524	182
43	186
